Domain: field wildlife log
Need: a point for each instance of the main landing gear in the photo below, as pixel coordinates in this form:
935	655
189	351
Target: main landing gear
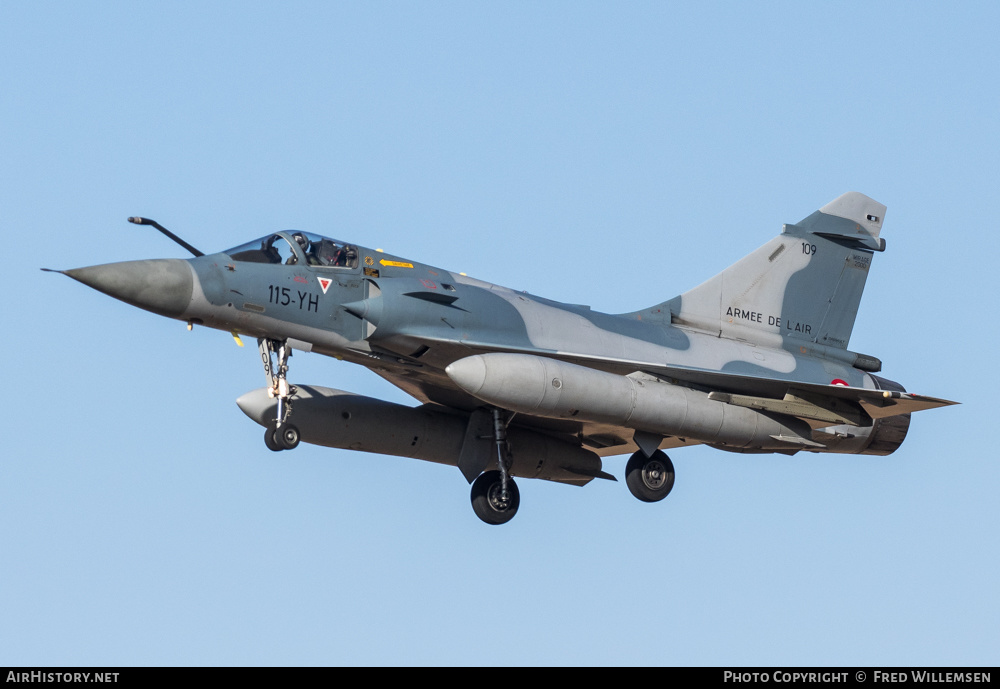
493	503
279	434
495	497
649	478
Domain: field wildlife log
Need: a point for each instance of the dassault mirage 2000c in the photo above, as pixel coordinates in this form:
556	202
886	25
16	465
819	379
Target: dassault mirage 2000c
514	385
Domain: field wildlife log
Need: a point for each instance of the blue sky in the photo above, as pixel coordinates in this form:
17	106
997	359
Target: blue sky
611	154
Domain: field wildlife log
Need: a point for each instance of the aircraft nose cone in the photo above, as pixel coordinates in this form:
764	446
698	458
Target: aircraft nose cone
163	286
468	373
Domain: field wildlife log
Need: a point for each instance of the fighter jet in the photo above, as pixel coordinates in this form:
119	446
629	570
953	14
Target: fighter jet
510	384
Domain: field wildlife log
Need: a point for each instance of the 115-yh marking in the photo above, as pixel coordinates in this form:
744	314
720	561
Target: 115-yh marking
283	297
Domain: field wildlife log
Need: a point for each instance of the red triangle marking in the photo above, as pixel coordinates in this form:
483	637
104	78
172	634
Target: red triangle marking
324	283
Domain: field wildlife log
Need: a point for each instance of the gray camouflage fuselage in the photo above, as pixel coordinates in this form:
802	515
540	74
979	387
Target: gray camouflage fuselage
753	360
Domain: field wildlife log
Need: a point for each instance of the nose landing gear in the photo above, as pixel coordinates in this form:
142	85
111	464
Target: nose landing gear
279	434
285	437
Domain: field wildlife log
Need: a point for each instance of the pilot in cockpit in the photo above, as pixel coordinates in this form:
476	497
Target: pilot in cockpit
330	254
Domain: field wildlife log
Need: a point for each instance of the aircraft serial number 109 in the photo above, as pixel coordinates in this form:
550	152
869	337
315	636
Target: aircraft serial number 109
514	385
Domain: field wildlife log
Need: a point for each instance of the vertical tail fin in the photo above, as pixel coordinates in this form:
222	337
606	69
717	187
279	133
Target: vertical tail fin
805	284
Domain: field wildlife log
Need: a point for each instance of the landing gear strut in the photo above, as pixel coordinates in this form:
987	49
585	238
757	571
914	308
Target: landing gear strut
649	478
279	434
495	497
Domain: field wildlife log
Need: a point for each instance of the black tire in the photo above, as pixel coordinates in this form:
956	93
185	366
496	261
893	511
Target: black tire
650	480
287	436
486	500
269	440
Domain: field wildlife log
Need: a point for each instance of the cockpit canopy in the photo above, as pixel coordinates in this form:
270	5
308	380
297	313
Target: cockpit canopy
294	247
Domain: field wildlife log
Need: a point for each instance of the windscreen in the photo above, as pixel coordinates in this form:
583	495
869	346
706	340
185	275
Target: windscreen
277	248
